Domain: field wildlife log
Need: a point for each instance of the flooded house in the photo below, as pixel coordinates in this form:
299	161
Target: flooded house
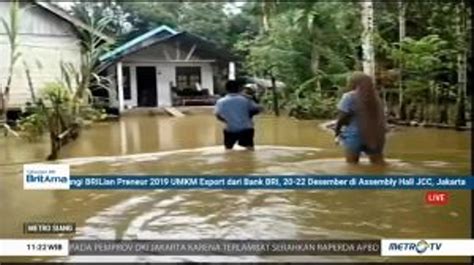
164	68
47	37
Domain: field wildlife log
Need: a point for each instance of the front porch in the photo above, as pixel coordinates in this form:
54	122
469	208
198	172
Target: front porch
191	97
161	111
163	84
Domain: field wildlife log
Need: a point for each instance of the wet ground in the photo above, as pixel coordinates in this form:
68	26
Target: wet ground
191	145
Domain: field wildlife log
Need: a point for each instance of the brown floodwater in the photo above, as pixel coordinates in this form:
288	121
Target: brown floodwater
191	145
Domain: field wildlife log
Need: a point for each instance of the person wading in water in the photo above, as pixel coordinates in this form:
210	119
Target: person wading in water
236	111
361	122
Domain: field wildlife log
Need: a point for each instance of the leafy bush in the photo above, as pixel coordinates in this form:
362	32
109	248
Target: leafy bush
54	111
312	106
34	122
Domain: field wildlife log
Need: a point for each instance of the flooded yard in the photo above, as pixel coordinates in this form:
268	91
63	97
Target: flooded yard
191	145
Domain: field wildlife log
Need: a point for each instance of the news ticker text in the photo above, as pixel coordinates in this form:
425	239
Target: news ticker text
211	247
269	182
53	176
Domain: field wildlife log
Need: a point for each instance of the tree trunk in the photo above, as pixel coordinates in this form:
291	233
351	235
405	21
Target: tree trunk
443	114
5	97
429	102
315	59
462	67
412	112
265	16
442	106
55	129
30	82
421	114
368	55
266	8
402	34
275	97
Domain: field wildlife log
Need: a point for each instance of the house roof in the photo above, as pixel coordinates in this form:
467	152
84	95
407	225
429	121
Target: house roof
161	30
159	35
59	12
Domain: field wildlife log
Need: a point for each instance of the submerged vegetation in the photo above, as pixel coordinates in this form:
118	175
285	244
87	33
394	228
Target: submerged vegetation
62	107
56	112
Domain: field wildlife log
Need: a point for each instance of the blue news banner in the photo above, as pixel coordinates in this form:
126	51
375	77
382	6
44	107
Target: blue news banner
233	182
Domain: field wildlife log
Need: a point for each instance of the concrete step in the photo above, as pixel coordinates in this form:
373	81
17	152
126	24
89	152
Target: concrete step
174	112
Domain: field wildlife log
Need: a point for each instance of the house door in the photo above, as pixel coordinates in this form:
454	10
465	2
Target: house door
146	86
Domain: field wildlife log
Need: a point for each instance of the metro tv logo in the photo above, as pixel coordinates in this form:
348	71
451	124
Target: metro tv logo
420	247
45	177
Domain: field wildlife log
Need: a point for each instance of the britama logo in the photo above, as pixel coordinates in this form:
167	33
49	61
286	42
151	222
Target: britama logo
420	247
46	177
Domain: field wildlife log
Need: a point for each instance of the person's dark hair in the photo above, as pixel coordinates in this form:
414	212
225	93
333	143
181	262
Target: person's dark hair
232	86
370	111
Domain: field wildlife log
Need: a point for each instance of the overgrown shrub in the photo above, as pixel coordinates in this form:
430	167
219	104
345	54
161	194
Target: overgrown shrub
54	112
312	106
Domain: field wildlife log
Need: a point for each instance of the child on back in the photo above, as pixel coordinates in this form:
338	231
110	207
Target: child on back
249	93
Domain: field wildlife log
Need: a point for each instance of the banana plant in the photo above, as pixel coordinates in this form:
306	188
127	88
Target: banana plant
11	28
80	79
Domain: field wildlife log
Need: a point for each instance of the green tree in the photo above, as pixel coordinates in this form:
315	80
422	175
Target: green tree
119	22
311	49
207	19
422	63
462	37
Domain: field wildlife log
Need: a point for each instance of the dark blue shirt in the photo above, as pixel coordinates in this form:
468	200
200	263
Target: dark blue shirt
235	109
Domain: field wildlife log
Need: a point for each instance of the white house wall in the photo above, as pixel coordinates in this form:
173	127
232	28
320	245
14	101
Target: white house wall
165	58
165	74
44	42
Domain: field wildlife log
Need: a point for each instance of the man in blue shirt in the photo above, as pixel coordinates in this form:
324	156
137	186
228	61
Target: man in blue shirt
236	111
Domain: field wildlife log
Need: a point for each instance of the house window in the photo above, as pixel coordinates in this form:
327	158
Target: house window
187	77
127	94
